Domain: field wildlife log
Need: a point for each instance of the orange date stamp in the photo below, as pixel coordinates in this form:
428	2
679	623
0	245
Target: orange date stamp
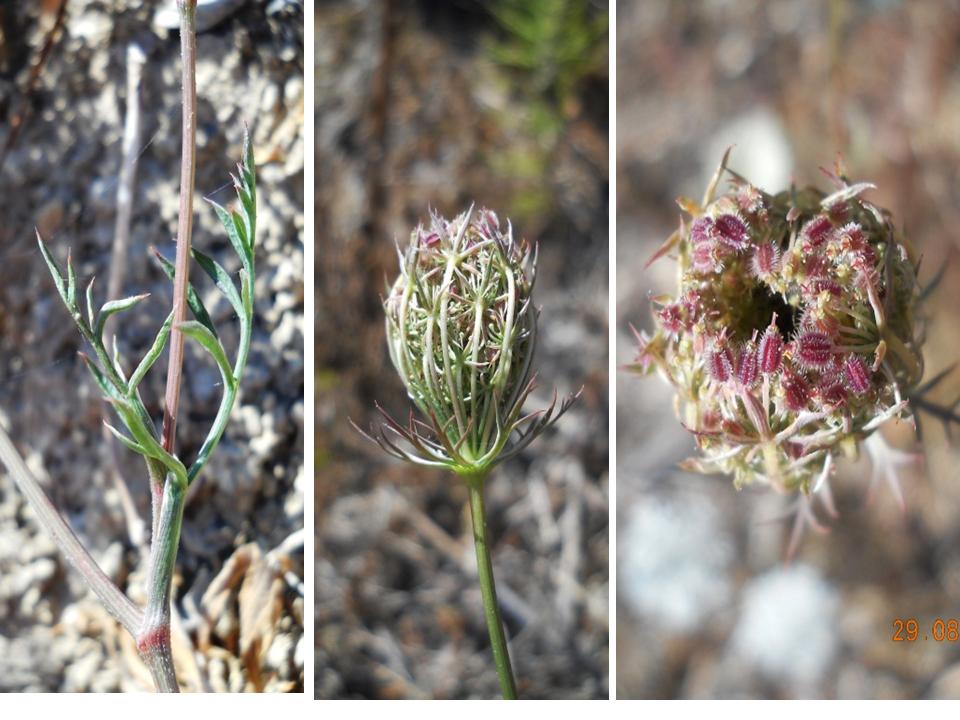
940	630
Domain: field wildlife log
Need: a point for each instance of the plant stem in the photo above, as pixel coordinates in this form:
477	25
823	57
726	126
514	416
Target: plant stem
488	589
153	637
188	164
118	604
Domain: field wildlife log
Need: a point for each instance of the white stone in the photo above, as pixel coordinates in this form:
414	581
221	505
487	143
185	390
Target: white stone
675	560
788	626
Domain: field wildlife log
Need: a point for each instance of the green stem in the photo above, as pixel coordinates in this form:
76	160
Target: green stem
229	396
488	589
153	637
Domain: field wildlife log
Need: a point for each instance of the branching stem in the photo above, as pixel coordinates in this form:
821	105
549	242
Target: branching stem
153	637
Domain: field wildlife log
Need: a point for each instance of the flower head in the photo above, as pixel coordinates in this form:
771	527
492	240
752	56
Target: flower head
461	329
807	340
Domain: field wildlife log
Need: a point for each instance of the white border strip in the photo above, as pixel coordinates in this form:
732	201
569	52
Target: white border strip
612	346
309	361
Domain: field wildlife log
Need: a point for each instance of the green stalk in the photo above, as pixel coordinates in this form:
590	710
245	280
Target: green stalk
229	396
153	637
488	589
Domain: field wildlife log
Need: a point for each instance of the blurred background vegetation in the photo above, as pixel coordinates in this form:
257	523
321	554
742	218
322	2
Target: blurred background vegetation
434	104
706	606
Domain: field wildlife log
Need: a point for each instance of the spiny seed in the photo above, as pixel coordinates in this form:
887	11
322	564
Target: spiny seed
816	266
731	231
817	231
832	392
720	363
796	392
748	365
831	286
820	323
857	374
851	236
814	349
705	257
766	259
771	351
701	231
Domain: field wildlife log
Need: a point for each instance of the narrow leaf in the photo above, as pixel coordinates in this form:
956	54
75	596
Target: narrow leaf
54	270
246	295
248	196
241	226
151	357
71	284
193	299
239	246
143	438
221	278
115	306
117	365
90	301
845	194
130	415
109	390
211	344
250	215
131	444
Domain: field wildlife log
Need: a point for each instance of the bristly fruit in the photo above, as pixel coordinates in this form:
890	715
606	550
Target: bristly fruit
461	329
805	343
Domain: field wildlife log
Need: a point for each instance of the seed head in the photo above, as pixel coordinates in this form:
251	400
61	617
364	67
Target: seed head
837	279
461	329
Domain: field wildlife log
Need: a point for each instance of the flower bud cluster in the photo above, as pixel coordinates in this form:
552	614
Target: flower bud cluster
461	328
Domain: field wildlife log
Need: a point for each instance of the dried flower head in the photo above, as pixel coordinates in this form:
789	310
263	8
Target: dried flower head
461	329
803	345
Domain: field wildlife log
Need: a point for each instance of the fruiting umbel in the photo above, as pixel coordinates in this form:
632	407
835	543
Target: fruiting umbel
461	329
793	334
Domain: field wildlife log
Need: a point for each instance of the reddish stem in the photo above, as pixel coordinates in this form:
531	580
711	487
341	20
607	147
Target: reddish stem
188	165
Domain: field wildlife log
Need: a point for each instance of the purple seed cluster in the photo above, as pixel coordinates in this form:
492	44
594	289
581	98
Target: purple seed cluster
793	320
